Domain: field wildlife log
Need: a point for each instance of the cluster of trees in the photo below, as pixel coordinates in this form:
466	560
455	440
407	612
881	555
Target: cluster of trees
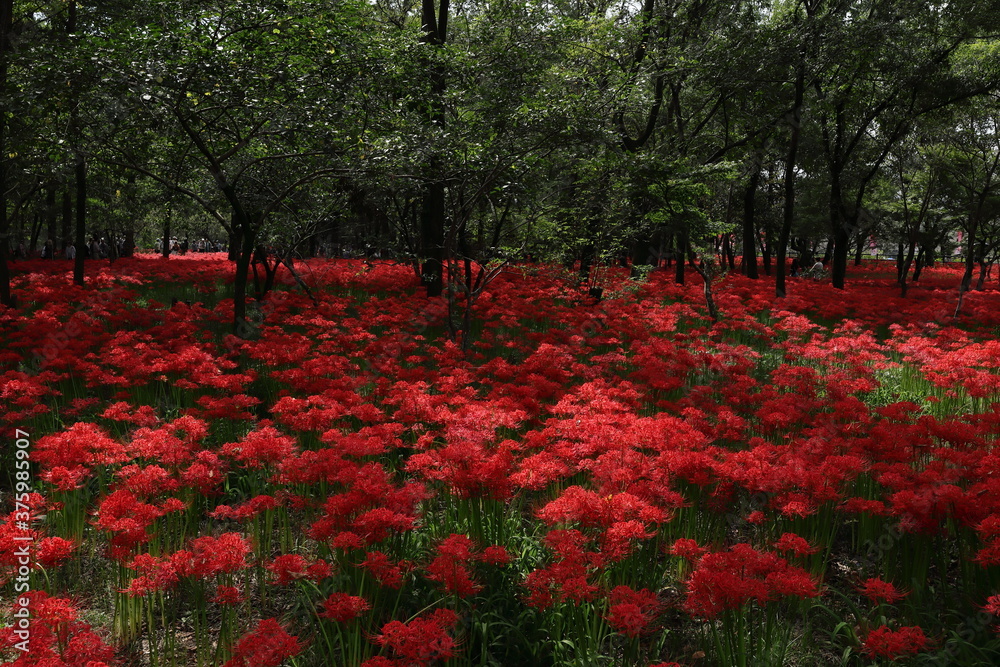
462	134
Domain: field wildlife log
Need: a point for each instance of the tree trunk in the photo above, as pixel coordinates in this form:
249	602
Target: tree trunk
841	251
243	258
167	219
51	213
81	218
984	273
841	234
970	265
434	22
788	214
129	245
749	225
432	239
682	246
904	270
765	251
918	266
67	217
643	254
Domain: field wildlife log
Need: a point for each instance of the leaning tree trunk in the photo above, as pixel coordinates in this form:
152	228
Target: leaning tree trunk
970	265
985	269
904	270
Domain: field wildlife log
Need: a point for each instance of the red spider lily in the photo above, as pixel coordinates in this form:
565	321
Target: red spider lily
227	407
122	514
171	444
992	606
727	580
228	596
65	479
495	555
56	636
146	482
81	444
373	508
877	591
631	612
292	567
450	568
247	510
54	551
205	473
469	469
260	448
790	542
688	549
159	573
567	578
422	640
577	504
386	572
883	642
268	645
343	608
122	411
218	555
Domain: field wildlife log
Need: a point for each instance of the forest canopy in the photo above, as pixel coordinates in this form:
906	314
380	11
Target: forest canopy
641	133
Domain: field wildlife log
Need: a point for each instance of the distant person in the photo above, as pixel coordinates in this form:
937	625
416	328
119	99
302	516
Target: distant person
70	251
796	268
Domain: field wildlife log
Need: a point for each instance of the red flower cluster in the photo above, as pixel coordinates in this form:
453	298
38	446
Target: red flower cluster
730	579
883	642
420	642
268	645
631	612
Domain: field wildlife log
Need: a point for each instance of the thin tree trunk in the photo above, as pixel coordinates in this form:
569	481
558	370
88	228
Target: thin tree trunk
970	264
167	219
984	273
67	217
749	224
788	215
51	214
81	218
682	246
434	22
904	270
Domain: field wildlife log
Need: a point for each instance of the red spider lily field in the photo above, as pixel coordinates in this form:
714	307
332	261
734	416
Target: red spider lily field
809	481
